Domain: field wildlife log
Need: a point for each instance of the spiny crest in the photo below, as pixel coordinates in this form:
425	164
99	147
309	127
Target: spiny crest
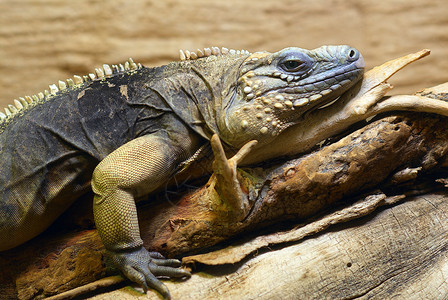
212	51
100	73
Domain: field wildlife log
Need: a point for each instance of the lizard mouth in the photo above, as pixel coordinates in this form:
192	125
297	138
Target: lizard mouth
319	91
328	103
322	93
353	77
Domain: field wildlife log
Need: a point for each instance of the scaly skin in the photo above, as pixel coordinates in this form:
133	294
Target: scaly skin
130	129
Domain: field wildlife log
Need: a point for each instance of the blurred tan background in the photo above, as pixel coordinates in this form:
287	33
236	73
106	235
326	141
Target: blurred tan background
42	41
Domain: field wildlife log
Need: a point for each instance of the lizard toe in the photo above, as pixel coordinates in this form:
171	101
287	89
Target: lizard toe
154	283
135	276
168	271
156	255
174	263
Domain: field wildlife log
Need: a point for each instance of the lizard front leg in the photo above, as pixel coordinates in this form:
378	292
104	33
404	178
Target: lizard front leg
133	170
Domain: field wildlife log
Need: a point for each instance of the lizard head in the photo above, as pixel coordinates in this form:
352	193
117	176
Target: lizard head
277	90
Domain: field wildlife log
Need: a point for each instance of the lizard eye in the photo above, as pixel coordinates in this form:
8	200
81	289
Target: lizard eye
292	65
294	62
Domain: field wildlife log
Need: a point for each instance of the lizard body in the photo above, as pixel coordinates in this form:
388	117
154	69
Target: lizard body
125	131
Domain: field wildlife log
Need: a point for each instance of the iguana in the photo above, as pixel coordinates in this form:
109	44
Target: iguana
125	130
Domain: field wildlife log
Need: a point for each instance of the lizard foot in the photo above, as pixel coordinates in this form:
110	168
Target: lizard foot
143	268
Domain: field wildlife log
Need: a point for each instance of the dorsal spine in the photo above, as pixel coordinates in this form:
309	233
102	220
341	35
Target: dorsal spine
212	51
100	73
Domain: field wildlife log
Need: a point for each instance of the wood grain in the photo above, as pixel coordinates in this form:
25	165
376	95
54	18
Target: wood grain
398	252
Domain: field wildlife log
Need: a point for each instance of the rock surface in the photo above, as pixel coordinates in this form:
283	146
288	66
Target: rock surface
44	41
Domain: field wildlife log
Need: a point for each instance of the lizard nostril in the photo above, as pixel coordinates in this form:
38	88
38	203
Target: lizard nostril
353	54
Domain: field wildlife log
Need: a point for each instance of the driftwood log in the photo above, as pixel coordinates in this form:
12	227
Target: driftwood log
396	161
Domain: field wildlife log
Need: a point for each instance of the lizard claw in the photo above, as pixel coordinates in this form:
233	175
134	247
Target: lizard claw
143	268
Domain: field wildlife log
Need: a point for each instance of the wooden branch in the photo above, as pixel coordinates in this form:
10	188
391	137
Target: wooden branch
305	187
